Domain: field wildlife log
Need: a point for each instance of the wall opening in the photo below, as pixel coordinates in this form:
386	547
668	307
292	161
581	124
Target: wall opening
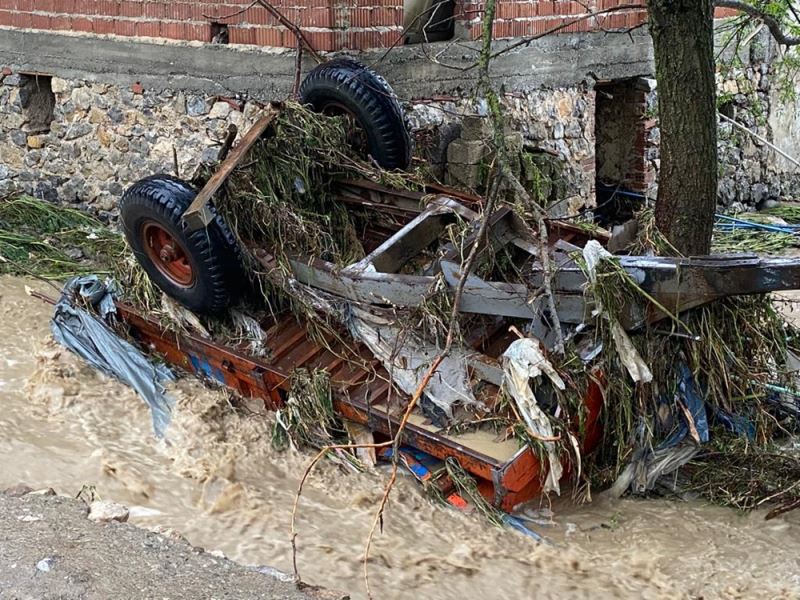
623	148
428	20
219	33
38	101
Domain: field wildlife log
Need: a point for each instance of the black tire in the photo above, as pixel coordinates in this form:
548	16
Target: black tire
157	204
369	99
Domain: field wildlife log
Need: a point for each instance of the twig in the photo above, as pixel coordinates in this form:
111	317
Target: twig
320	455
776	512
770	21
298	67
395	462
175	162
301	38
228	143
230	15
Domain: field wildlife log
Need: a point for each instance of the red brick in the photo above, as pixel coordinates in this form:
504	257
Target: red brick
43	5
83	7
321	40
173	30
64	6
524	10
722	13
60	23
155	10
179	11
505	10
318	17
20	19
200	32
81	24
130	8
6	17
109	8
125	27
148	28
25	5
40	21
104	26
241	35
256	16
614	21
268	36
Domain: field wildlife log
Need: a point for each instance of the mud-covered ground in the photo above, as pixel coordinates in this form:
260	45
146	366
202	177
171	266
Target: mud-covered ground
217	480
49	549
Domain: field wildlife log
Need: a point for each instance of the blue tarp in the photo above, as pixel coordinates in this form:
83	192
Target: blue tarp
87	335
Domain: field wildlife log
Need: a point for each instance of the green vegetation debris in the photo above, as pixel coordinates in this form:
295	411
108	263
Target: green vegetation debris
53	241
789	212
752	240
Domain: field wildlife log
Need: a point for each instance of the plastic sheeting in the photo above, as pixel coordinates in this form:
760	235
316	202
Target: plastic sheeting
408	359
594	254
523	361
87	335
647	466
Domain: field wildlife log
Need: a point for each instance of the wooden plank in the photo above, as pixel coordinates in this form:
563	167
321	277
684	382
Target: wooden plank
509	299
197	215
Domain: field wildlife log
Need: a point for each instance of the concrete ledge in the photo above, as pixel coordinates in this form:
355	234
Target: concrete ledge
554	61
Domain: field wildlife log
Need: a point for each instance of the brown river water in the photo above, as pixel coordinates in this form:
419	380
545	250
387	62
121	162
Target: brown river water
217	480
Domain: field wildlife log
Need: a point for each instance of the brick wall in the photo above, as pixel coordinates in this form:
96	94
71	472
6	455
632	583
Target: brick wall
329	24
519	18
626	135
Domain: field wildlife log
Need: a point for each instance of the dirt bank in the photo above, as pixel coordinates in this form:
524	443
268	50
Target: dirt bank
49	549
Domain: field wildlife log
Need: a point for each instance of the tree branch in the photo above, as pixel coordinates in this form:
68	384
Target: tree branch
772	23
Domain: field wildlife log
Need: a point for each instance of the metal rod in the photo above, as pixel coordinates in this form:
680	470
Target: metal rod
794	161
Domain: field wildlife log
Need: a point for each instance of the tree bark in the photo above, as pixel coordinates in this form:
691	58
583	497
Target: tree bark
683	40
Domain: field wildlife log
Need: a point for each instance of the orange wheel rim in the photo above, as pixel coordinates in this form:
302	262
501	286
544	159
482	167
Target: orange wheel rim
167	254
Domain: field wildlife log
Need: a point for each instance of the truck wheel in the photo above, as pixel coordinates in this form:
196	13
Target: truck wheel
346	87
202	269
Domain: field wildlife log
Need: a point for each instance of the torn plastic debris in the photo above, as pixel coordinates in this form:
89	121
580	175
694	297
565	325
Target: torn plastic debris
593	255
523	361
647	466
90	338
408	359
689	396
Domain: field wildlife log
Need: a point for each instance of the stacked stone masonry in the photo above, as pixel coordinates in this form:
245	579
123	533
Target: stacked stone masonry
103	138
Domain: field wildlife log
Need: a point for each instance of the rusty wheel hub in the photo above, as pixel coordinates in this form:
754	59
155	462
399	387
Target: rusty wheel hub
167	254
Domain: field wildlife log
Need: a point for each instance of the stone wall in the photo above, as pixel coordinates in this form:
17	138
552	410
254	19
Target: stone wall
101	138
751	173
82	138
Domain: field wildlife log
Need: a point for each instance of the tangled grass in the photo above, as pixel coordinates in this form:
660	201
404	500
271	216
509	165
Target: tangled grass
52	241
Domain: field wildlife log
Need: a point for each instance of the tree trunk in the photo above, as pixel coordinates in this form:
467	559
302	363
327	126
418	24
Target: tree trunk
683	39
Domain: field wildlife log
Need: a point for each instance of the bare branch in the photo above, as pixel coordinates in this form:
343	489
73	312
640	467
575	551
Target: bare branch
771	22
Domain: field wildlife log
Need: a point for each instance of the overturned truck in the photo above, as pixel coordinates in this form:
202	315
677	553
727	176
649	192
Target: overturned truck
515	410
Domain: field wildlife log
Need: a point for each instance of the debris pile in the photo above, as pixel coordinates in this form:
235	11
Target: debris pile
697	384
680	392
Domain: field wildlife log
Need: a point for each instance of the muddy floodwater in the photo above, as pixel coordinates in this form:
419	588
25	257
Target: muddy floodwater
217	480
